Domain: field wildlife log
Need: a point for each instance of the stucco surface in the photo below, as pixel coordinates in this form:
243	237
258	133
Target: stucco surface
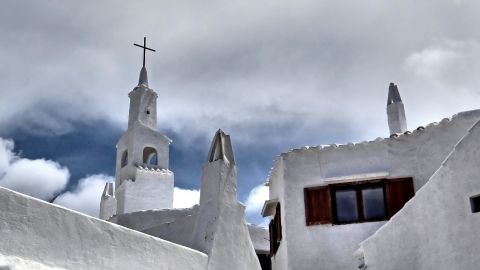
144	220
150	190
108	202
397	121
177	226
16	263
143	106
34	232
177	231
436	229
220	229
416	155
108	207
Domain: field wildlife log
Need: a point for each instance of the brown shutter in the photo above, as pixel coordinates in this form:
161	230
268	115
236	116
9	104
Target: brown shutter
278	223
398	192
317	205
275	230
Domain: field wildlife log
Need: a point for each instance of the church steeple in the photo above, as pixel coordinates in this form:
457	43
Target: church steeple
143	100
143	179
397	122
143	103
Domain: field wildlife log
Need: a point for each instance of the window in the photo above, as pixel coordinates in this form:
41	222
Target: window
275	230
124	160
373	203
357	201
475	203
150	156
346	205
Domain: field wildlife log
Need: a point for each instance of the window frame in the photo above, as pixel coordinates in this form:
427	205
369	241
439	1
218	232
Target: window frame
358	187
318	200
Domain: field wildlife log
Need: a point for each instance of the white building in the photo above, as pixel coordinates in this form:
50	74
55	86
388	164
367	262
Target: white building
341	206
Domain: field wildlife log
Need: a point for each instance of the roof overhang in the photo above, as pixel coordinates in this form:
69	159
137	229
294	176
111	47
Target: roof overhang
269	208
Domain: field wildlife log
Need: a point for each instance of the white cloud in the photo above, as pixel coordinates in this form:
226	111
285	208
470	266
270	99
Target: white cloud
433	63
257	197
86	196
448	64
39	178
184	198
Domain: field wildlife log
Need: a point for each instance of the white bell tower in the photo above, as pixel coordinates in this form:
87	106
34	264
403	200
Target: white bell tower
143	179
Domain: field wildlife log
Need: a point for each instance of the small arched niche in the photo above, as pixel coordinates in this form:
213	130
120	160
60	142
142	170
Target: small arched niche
150	156
124	160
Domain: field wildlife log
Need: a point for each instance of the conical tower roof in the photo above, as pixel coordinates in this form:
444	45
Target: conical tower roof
393	94
221	148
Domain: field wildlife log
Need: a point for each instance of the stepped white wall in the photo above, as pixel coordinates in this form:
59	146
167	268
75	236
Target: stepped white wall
39	235
436	229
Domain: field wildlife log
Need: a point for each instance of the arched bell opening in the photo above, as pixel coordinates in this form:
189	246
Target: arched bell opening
150	156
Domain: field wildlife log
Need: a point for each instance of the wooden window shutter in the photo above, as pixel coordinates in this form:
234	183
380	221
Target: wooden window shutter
398	192
275	231
278	223
317	205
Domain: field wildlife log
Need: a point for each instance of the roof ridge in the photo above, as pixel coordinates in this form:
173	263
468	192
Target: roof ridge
394	136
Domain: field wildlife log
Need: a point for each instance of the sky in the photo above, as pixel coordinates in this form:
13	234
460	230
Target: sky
275	75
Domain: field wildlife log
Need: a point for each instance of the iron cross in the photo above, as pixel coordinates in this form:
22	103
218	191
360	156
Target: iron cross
144	48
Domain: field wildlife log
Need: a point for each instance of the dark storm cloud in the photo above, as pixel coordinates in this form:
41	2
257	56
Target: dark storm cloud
219	63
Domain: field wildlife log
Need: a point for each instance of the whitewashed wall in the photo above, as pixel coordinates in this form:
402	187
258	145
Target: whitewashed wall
177	226
39	235
174	225
277	191
332	246
220	228
436	229
150	190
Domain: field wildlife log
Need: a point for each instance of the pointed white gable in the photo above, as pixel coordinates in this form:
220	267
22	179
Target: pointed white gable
221	148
